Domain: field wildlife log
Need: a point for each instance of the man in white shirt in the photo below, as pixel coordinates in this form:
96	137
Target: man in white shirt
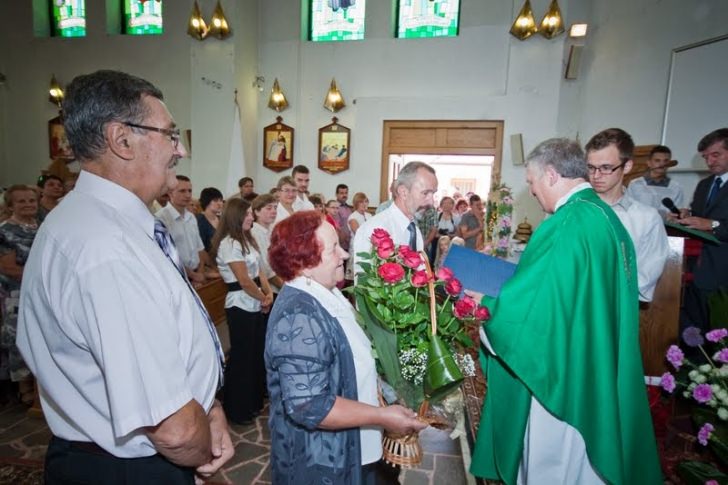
126	358
655	185
413	190
609	157
302	178
182	226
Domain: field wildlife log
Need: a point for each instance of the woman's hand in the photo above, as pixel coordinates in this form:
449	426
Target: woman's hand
399	419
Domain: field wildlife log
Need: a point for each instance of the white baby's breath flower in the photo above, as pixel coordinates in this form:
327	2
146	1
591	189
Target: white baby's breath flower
692	386
701	379
721	394
686	394
693	374
704	368
723	370
715	388
723	414
712	403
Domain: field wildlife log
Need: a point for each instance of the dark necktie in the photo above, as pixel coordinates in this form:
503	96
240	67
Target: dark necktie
413	235
714	190
165	242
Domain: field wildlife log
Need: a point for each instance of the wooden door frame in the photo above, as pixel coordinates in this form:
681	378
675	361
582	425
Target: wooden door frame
441	137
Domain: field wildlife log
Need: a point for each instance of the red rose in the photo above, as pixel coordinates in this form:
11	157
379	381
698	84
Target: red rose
391	272
453	287
385	248
404	250
482	313
444	274
419	279
378	236
464	307
411	259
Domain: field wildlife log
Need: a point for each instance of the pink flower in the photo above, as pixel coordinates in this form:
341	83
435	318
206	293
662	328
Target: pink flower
712	482
667	381
704	433
385	248
453	287
482	313
378	236
391	272
464	307
716	335
419	279
444	274
675	356
411	259
721	356
703	393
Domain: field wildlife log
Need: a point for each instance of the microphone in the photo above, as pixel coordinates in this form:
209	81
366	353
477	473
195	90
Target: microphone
667	202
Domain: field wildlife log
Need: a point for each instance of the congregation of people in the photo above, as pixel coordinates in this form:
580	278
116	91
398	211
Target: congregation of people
99	305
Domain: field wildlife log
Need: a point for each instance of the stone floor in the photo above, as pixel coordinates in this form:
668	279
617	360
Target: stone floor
26	437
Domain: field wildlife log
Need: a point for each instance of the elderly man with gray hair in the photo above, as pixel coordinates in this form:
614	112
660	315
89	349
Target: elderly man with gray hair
566	400
413	189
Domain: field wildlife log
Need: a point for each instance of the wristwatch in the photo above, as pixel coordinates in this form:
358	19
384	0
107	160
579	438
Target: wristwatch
714	225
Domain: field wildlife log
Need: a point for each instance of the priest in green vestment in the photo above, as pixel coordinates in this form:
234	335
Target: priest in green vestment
566	401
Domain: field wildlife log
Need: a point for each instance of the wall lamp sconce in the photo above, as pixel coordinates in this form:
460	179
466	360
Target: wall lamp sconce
55	92
196	26
334	100
578	30
525	24
277	99
552	23
219	25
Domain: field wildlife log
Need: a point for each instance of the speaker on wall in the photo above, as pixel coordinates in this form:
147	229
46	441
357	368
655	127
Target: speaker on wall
574	62
517	149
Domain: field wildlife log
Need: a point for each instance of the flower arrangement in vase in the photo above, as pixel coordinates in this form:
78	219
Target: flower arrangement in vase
499	213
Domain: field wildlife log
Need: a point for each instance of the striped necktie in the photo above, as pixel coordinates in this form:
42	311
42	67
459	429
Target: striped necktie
165	242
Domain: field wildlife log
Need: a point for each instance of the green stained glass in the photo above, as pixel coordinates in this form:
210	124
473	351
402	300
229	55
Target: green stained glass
428	18
69	18
143	17
335	20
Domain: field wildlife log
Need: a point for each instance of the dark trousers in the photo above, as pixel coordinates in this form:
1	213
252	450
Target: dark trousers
379	473
245	371
71	463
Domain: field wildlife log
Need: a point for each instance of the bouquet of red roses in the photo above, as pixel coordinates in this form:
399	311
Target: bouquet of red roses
416	320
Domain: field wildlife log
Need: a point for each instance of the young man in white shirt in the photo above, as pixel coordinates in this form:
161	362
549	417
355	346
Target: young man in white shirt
302	178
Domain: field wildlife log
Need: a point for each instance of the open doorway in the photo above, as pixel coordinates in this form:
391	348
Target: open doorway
465	154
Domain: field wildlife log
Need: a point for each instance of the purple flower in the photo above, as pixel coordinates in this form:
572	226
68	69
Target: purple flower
675	356
712	482
702	393
716	335
667	381
704	433
721	356
692	337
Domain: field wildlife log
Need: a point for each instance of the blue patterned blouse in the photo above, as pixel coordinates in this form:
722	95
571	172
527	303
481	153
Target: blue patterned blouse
308	363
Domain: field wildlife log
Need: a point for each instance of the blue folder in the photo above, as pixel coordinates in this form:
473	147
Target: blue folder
477	271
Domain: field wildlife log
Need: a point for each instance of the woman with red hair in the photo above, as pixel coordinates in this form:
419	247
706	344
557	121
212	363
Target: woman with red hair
325	421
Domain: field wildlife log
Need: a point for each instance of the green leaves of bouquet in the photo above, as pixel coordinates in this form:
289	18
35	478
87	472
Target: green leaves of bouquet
394	297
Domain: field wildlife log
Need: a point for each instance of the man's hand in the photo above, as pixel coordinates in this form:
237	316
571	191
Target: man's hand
196	277
699	223
221	444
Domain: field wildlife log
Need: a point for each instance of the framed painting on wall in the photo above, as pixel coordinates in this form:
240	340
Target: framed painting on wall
278	146
59	148
334	147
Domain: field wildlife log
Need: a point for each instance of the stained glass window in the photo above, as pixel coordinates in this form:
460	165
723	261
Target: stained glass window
428	18
142	17
69	18
333	20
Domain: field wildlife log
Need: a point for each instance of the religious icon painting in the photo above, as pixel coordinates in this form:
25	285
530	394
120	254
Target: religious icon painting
334	147
59	148
278	146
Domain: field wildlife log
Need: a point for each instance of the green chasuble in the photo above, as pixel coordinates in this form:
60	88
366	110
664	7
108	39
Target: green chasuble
565	330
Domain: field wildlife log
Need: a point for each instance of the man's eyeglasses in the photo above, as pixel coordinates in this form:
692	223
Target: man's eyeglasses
173	134
604	169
